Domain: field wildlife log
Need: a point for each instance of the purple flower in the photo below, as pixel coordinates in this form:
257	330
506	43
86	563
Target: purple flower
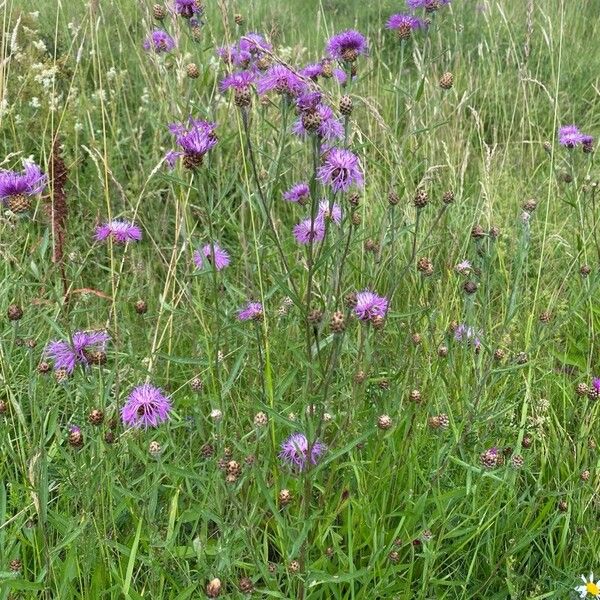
240	81
570	136
282	80
66	355
340	75
464	267
430	5
159	41
329	129
299	454
404	23
253	311
596	385
370	305
187	8
120	231
347	46
196	139
587	141
255	44
335	213
468	335
146	406
308	231
312	71
298	193
341	169
248	50
30	182
221	259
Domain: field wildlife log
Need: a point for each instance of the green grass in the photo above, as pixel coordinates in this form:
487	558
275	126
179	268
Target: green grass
109	520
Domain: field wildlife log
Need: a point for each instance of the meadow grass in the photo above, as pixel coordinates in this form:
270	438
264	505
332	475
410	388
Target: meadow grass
454	469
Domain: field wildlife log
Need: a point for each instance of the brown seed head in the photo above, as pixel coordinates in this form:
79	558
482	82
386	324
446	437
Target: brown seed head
284	497
384	422
415	396
14	312
421	198
425	266
337	324
448	197
96	417
470	287
192	71
477	232
213	588
346	105
446	81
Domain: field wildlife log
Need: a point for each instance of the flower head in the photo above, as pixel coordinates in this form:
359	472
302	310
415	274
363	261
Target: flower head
570	136
588	588
404	23
312	71
282	80
30	182
468	335
121	232
596	384
299	454
347	46
159	41
430	5
340	170
78	351
329	127
146	406
334	213
196	138
310	230
370	305
298	193
253	311
221	257
239	81
187	8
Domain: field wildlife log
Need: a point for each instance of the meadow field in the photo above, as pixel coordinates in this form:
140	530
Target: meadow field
299	299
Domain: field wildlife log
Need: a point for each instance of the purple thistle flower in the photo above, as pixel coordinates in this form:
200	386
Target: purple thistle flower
570	136
299	454
596	385
335	213
66	355
159	41
468	335
171	158
406	22
464	267
249	48
120	231
255	44
253	311
347	46
308	231
330	128
340	170
587	141
239	81
221	259
146	406
312	71
340	75
428	4
282	80
187	8
309	101
298	193
370	305
196	139
30	182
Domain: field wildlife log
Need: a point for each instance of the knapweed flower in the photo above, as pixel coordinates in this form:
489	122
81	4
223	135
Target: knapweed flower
252	311
312	71
196	138
81	350
369	305
187	8
16	189
464	267
595	387
570	136
347	46
340	170
298	193
589	588
159	41
146	406
334	213
468	335
282	80
240	83
404	24
299	454
328	126
587	141
121	232
429	5
308	231
221	257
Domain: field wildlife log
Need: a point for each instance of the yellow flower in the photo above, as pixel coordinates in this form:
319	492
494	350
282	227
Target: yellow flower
589	588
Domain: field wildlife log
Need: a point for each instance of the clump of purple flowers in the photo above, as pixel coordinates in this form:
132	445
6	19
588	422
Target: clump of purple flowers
121	232
30	182
299	454
315	70
187	8
67	355
467	335
253	311
159	41
146	406
347	46
298	193
282	80
247	52
221	257
570	136
370	306
195	138
340	170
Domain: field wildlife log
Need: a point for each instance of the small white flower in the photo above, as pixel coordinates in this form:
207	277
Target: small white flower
589	588
34	102
216	414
